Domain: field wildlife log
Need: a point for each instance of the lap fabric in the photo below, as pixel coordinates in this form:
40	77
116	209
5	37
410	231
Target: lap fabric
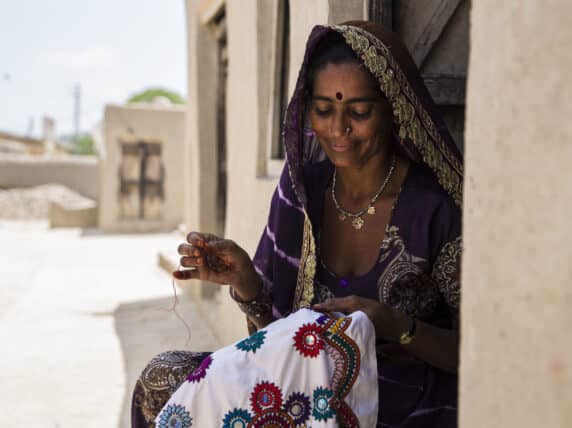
158	381
307	369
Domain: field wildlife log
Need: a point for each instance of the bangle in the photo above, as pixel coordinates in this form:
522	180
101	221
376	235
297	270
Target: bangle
255	308
407	337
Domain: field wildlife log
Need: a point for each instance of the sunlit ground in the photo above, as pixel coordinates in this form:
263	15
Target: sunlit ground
80	314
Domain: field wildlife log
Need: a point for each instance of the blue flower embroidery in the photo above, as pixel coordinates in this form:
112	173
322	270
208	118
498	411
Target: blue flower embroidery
252	343
322	410
175	416
236	418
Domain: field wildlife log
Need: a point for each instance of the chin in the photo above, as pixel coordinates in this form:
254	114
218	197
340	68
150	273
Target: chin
342	160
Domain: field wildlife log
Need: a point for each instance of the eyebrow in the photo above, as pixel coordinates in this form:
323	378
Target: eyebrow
349	100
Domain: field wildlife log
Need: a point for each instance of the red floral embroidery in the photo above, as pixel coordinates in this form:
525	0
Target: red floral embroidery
308	340
273	420
266	396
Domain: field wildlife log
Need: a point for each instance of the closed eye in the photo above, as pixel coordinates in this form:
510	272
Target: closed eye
360	115
322	113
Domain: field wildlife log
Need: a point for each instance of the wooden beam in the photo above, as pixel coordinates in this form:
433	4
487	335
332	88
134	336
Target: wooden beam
442	13
381	12
446	90
209	10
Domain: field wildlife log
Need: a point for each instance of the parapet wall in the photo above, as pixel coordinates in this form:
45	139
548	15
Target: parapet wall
79	173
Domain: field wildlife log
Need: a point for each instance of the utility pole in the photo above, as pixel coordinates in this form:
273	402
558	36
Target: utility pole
30	131
76	110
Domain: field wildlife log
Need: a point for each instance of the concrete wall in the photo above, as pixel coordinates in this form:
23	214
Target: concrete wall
148	123
200	144
516	369
79	173
200	154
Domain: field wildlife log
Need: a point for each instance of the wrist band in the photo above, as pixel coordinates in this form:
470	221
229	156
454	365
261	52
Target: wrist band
255	308
407	337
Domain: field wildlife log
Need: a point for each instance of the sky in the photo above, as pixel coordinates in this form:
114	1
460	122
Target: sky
110	48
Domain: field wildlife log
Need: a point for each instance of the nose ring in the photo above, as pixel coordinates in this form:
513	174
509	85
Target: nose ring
348	131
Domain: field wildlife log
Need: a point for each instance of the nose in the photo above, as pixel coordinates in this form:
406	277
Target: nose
338	124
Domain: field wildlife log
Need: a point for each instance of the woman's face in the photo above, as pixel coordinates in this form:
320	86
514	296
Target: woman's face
344	97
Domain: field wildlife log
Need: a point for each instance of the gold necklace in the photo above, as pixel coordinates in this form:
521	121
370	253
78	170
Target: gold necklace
357	220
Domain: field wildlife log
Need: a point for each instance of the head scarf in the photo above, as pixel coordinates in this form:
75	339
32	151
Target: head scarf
286	256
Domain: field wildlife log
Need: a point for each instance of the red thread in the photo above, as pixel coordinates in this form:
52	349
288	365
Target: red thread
173	308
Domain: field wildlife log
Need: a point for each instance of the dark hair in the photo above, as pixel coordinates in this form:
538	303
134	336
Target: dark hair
332	49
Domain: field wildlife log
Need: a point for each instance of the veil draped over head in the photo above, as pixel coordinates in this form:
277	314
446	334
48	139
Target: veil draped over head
286	256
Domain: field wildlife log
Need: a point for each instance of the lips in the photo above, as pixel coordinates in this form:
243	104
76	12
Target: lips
341	147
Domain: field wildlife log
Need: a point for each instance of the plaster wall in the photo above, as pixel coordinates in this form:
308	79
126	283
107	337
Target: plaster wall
248	196
79	173
146	123
200	154
516	369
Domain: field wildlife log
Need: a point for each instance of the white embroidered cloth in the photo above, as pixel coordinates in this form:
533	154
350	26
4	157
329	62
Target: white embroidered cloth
304	370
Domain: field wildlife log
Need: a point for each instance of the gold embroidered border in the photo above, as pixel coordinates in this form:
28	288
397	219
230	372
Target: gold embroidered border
413	120
446	271
304	293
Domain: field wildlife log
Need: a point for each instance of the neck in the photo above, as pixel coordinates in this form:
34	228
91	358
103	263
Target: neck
357	185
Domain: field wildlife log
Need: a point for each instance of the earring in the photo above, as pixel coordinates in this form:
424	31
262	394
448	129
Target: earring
348	131
309	132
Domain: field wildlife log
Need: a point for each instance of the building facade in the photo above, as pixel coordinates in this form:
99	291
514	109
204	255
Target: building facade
137	192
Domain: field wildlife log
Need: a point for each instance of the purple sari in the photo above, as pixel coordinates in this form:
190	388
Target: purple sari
419	258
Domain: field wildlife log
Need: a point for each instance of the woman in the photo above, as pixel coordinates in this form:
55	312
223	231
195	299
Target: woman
366	217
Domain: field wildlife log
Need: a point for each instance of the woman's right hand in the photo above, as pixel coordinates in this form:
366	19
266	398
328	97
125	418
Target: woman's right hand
220	261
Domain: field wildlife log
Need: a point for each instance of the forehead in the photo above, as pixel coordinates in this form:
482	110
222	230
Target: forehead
347	78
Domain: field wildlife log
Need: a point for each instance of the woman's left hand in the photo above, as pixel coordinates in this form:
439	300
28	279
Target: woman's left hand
385	319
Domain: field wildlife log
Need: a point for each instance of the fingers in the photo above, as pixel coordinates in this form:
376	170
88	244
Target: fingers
192	261
199	239
211	253
196	239
192	256
201	245
189	250
187	274
206	246
339	304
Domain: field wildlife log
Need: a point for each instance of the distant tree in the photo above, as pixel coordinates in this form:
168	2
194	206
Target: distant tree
150	94
82	145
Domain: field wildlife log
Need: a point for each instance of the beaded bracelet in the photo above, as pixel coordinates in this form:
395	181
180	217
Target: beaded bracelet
255	308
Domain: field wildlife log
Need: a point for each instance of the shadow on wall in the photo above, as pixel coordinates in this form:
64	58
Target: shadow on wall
147	328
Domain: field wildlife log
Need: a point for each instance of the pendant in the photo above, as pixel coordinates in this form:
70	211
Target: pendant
371	210
342	216
357	223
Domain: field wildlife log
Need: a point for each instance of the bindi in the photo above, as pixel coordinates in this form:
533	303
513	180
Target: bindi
339	96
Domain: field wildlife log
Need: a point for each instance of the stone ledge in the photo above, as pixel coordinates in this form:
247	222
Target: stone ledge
80	212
